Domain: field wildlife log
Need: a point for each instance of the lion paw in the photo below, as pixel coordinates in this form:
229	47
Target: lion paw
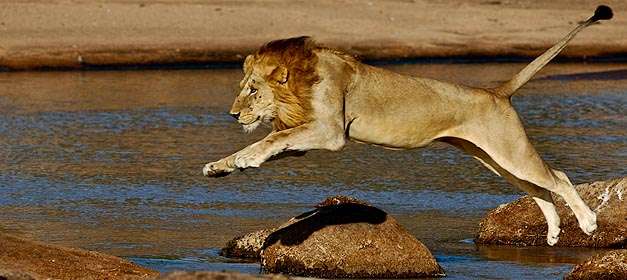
589	225
552	236
217	168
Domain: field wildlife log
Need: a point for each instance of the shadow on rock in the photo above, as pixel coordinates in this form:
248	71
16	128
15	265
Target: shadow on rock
302	226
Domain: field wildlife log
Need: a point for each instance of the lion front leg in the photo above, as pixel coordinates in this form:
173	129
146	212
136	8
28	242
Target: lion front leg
301	138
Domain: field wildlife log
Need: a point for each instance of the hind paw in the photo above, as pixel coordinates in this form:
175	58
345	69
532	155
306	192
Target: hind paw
589	225
589	228
553	236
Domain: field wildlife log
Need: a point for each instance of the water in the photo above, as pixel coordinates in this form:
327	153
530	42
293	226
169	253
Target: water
111	161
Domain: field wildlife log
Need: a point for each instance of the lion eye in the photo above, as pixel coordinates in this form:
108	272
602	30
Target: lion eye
253	91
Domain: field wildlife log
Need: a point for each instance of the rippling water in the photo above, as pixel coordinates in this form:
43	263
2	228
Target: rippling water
111	161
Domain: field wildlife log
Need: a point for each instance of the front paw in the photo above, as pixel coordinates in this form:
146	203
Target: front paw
217	169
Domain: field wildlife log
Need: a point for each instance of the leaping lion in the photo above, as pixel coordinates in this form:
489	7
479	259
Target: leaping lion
318	98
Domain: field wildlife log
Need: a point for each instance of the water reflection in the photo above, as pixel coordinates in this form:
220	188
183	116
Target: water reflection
532	255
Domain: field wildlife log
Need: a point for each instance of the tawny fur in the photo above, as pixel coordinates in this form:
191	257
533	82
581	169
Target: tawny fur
317	98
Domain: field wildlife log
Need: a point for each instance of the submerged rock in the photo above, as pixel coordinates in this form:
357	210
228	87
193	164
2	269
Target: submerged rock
521	222
611	265
346	238
25	259
247	246
211	275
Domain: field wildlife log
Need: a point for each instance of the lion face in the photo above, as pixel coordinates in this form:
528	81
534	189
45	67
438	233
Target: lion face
277	85
255	104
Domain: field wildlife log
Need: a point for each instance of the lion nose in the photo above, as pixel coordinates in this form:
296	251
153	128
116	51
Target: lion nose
235	115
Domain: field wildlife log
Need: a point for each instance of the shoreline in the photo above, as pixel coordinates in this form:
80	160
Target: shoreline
237	63
78	34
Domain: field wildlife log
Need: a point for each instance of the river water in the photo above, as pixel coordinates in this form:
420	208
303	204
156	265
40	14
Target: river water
111	161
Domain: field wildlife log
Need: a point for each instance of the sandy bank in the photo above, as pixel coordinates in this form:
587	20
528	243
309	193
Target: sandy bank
76	33
36	260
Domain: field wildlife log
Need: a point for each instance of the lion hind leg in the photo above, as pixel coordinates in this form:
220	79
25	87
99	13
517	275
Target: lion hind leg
541	196
587	218
514	155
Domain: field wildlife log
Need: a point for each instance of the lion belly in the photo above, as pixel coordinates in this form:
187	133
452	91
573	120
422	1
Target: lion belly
401	112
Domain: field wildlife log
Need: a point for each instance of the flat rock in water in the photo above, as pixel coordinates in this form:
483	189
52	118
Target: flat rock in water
611	265
521	222
25	259
247	246
345	238
211	275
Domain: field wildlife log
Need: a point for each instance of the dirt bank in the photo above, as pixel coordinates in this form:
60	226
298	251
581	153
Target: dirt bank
25	258
77	33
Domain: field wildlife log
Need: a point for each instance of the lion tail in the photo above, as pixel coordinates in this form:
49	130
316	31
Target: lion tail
509	88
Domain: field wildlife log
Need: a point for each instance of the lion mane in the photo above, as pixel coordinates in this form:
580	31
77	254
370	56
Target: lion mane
297	56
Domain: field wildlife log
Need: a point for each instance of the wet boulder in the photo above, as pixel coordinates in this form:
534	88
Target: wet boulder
25	259
247	246
521	222
212	275
610	265
346	238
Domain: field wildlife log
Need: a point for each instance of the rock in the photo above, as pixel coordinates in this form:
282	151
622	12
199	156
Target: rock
7	274
206	275
521	222
247	246
24	259
611	265
345	238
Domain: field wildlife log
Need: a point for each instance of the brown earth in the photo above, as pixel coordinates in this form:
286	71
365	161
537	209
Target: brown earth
344	238
211	275
10	274
611	265
521	222
24	259
83	33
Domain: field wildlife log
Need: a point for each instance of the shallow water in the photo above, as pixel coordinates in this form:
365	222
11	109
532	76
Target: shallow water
111	161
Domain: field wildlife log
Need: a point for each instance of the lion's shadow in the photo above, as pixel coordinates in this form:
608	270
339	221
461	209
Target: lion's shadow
312	221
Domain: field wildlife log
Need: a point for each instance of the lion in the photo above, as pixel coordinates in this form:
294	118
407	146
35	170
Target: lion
319	98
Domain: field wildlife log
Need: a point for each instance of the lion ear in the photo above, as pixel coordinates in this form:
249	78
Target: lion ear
248	63
280	74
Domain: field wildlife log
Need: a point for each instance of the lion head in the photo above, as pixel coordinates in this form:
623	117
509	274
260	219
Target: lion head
277	85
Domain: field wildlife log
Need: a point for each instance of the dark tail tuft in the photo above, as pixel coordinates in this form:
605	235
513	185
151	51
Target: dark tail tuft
602	13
